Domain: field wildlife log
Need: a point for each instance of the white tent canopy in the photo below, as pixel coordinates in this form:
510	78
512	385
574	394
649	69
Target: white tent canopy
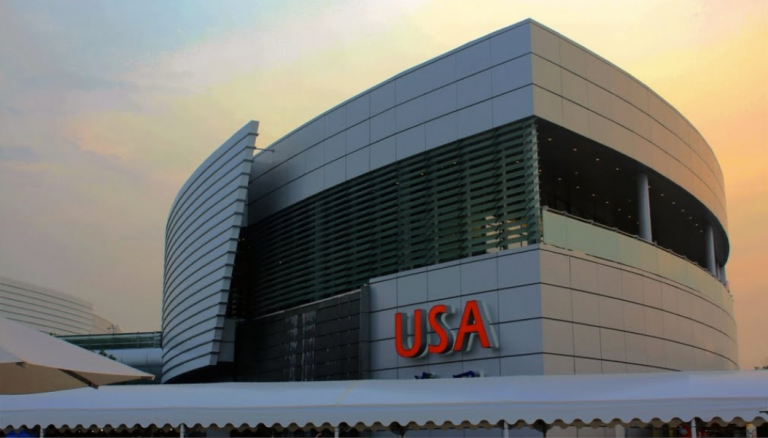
628	399
32	361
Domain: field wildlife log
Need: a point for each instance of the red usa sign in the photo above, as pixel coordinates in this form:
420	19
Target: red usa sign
475	323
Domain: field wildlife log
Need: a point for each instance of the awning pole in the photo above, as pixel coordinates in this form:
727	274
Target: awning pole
336	432
181	430
693	427
42	431
506	429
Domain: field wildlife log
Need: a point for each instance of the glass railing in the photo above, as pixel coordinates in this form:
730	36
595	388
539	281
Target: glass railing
573	233
116	341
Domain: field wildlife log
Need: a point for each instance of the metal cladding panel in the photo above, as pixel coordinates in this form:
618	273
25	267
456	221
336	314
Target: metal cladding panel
585	93
469	197
200	247
482	85
522	70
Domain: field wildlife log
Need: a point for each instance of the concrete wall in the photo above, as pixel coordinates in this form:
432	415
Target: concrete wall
556	312
200	245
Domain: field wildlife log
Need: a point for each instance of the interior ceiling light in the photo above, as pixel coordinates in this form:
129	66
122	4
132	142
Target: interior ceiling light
619	209
662	194
607	202
597	159
559	179
574	149
577	187
683	210
549	139
617	168
593	195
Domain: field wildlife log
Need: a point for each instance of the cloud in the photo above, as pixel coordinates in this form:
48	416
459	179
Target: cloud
312	27
99	134
104	115
22	154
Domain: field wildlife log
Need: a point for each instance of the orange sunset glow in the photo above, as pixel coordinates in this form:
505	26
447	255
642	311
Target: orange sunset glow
104	115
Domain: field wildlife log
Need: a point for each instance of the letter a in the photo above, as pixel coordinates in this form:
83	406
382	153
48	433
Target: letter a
475	322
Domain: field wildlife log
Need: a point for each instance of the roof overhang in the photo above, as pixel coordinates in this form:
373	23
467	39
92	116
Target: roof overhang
735	397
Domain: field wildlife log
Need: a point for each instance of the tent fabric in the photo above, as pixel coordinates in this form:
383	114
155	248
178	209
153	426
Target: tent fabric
32	361
632	399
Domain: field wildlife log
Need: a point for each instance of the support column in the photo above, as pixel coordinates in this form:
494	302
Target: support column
709	236
619	431
644	207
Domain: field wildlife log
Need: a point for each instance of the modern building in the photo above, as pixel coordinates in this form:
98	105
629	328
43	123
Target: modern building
518	205
50	311
73	319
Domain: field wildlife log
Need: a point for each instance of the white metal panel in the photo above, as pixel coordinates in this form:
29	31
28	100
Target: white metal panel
434	92
201	243
579	400
423	95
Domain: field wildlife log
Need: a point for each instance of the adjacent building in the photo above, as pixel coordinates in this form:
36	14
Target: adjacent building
518	205
50	311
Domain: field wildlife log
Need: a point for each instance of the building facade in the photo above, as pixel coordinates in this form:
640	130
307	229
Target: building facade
50	311
518	205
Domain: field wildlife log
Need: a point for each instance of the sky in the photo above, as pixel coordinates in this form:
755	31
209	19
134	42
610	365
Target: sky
106	108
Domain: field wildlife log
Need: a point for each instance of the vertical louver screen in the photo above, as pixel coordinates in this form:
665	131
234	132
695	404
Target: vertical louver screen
470	197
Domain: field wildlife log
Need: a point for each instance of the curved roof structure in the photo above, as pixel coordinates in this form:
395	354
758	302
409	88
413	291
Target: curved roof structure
200	247
50	311
559	401
524	69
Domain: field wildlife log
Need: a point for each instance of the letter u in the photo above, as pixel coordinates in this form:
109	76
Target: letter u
419	328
